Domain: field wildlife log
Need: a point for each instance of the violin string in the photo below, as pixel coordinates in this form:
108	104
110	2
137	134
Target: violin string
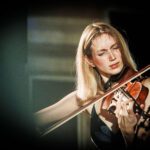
75	113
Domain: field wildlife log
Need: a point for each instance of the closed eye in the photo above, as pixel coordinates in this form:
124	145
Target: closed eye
102	52
116	46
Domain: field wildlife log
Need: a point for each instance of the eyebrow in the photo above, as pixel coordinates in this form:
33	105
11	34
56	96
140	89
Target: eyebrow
106	49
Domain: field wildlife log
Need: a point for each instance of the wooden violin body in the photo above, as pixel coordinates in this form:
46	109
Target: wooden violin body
136	90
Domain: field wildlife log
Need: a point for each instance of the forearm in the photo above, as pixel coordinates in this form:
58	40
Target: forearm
56	111
47	116
128	136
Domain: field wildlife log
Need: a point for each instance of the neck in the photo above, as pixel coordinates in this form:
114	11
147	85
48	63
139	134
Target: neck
122	75
104	78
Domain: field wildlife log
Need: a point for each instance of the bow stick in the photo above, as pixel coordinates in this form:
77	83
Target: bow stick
93	101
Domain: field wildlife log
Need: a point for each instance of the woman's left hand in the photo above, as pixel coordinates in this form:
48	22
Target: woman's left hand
127	119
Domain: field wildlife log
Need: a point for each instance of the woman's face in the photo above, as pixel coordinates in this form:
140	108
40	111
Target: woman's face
106	56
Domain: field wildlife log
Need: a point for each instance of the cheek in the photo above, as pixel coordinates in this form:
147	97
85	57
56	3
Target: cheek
100	62
118	54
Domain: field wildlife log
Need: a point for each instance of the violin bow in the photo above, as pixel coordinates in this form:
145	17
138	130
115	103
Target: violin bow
82	108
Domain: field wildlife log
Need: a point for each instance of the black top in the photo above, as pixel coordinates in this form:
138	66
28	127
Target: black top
102	136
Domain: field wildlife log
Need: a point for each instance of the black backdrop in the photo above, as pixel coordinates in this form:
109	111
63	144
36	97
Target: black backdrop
17	126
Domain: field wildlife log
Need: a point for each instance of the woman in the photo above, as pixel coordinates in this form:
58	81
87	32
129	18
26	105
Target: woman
103	60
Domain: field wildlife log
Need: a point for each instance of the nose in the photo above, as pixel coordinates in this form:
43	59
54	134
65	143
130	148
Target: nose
111	56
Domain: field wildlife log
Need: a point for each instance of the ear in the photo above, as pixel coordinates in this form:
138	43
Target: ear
89	61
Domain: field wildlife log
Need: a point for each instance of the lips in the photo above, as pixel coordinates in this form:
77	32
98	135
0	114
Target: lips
114	66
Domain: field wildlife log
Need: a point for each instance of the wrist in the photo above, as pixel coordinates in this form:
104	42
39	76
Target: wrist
128	135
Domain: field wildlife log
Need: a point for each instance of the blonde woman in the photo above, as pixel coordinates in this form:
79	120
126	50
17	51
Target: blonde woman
103	60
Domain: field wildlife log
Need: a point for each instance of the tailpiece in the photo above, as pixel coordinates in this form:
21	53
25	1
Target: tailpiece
93	101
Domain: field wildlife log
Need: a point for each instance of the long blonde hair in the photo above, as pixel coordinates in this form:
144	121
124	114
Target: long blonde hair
88	79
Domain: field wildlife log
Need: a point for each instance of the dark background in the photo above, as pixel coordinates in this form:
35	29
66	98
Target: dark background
17	127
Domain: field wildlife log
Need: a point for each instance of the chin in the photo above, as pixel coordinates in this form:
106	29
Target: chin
116	70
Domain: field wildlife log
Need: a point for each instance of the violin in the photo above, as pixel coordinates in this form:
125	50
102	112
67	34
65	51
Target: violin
136	90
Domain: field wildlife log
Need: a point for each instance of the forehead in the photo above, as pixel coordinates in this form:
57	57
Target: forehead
103	40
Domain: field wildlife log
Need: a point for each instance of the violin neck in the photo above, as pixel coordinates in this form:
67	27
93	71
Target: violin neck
93	101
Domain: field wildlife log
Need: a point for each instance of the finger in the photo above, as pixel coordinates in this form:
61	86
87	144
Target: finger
124	111
129	100
142	106
130	105
121	109
118	108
